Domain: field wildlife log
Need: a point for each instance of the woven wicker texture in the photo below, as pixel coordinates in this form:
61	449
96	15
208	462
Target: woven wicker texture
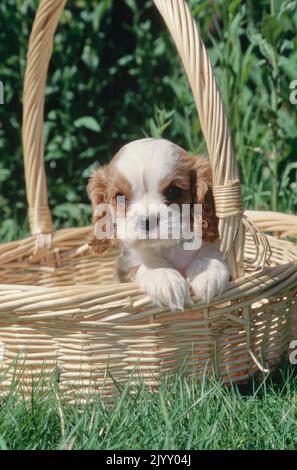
59	307
281	225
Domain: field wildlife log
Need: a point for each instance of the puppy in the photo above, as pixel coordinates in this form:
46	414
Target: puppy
139	200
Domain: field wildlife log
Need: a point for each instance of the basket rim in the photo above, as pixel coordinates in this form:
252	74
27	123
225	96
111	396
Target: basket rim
248	289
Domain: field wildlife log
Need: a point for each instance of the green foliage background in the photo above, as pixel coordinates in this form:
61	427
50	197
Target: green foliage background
115	76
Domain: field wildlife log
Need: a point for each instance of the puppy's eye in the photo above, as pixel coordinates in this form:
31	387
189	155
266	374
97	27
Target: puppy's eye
121	199
173	193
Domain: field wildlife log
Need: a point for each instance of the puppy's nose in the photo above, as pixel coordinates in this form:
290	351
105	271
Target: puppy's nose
150	223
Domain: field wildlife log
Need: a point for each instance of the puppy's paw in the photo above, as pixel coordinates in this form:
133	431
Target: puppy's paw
208	278
166	287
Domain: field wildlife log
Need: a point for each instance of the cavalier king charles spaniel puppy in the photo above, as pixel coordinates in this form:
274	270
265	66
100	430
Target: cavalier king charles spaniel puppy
156	201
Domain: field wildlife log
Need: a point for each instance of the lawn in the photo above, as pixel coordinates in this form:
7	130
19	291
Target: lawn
182	415
114	77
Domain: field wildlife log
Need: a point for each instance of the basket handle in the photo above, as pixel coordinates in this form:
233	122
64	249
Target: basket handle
227	193
38	57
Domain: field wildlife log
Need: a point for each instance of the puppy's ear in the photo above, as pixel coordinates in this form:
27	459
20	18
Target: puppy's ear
97	192
97	186
204	196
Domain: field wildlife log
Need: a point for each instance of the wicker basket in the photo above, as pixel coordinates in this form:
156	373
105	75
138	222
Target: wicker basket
58	306
279	224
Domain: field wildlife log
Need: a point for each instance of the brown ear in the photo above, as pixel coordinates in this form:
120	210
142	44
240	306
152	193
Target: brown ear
97	186
204	196
97	192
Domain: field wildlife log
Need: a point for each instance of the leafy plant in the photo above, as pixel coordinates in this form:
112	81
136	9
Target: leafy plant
115	76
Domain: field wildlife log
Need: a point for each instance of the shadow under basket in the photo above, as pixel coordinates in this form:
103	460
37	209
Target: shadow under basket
68	315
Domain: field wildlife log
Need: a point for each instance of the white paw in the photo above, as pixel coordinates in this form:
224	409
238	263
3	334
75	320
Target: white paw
208	278
166	287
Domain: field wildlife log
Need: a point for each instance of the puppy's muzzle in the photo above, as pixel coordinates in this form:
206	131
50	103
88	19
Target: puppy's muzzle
148	224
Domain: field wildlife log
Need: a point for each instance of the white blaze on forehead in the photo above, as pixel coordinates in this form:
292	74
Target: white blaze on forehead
146	162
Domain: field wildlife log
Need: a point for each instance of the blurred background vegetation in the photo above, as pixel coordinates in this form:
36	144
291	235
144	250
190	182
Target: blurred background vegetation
115	76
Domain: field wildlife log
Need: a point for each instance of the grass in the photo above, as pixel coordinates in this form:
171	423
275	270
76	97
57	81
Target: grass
182	415
253	49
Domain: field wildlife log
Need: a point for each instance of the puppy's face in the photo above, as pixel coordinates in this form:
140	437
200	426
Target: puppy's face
150	188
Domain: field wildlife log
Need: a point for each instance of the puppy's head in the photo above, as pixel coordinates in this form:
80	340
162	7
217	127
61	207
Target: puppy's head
140	197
